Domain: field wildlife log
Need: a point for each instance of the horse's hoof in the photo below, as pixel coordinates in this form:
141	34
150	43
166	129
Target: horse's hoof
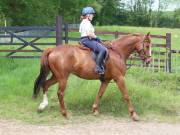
34	97
39	110
96	112
94	107
42	107
64	113
135	117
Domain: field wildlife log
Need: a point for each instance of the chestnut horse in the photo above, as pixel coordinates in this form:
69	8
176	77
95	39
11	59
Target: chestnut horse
66	59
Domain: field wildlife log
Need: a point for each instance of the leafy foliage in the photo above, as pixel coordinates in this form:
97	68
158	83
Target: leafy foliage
177	18
108	12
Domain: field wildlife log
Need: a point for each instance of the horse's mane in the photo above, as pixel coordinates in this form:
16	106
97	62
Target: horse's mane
135	36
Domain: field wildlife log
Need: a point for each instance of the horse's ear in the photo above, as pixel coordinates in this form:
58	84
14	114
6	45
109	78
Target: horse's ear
148	34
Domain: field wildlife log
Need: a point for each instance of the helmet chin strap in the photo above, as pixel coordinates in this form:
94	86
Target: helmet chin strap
90	17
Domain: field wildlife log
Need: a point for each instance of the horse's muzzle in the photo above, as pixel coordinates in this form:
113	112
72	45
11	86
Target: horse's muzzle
148	60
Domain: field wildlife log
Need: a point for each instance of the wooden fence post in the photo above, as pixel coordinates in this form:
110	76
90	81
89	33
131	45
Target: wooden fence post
168	45
116	34
59	30
66	33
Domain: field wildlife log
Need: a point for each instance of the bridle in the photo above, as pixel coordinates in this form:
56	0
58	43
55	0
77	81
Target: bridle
141	52
144	57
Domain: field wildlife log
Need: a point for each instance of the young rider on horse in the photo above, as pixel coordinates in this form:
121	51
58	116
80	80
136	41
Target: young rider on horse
90	40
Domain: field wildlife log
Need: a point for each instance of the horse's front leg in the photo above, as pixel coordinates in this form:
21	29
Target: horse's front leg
121	84
47	84
102	89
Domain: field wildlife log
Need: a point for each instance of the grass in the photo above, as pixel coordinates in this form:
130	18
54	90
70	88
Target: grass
154	95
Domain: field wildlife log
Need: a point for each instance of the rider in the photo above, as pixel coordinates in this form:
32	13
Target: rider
90	40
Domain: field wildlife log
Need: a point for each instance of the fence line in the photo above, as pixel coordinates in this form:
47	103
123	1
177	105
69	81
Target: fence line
175	60
23	37
162	53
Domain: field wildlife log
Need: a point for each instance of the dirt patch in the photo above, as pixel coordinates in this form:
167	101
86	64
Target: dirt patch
105	127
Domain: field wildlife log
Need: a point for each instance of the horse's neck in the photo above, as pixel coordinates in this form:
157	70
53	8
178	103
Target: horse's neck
124	51
125	48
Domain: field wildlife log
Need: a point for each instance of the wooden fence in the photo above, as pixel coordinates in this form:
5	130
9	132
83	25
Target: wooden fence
175	61
20	42
161	52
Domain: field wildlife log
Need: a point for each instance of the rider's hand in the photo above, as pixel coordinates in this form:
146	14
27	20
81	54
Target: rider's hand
91	35
98	40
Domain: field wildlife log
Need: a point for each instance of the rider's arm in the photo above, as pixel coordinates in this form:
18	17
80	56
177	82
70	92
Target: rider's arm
87	29
91	35
90	30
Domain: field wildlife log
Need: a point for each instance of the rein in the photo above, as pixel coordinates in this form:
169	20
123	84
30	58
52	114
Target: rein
130	65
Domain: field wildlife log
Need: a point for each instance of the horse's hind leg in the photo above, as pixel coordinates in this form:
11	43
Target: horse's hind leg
60	93
102	89
47	84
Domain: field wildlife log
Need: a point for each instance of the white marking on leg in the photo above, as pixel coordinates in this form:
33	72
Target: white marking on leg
44	103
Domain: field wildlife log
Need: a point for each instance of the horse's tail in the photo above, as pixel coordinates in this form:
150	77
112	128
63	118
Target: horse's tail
44	71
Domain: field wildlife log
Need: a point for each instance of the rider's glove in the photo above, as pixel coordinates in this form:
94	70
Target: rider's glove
98	40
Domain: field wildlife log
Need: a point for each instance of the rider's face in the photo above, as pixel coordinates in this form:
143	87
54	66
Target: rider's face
90	16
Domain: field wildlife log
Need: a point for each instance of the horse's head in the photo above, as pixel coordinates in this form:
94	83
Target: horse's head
144	48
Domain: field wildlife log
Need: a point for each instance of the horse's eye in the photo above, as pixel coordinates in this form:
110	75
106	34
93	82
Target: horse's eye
147	47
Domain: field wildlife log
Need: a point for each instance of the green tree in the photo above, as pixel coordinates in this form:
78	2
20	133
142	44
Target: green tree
71	9
177	18
29	12
139	12
109	12
2	17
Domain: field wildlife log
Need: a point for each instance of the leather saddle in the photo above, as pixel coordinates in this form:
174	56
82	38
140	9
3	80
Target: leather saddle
94	54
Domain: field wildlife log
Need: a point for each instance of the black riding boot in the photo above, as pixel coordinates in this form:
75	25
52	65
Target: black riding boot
99	63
